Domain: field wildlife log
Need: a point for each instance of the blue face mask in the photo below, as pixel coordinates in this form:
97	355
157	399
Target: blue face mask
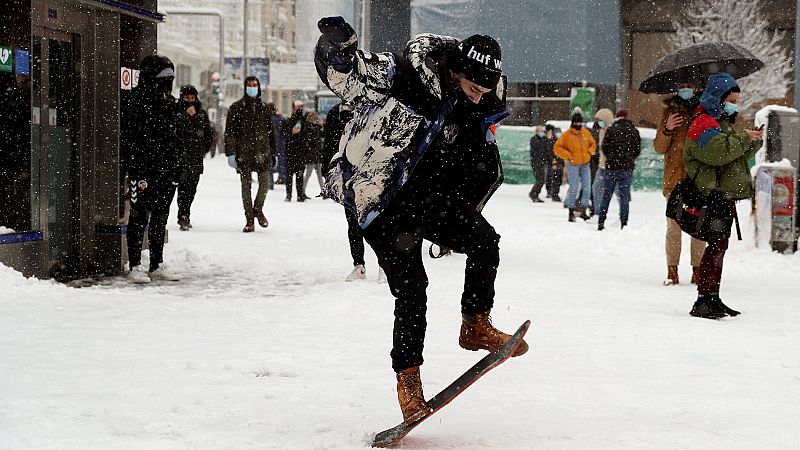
686	93
730	108
251	91
540	134
601	124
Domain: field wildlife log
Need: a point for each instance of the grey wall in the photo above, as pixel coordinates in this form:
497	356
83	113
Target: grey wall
390	25
542	40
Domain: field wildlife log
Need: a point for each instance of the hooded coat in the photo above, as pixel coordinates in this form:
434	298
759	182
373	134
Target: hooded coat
607	117
148	123
716	155
575	146
403	139
249	133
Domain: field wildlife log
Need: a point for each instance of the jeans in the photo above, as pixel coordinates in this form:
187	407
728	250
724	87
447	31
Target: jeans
619	180
598	188
580	180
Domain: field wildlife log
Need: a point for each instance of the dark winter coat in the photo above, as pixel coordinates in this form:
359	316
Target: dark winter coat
622	145
337	118
249	134
297	144
538	151
148	133
402	123
314	139
196	137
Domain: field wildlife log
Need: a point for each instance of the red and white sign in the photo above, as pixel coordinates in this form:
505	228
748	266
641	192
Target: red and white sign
126	79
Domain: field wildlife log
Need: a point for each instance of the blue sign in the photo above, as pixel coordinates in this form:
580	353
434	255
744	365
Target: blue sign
258	67
22	62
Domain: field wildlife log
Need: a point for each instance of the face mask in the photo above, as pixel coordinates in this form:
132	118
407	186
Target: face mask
576	126
730	108
540	134
686	93
251	91
601	124
558	135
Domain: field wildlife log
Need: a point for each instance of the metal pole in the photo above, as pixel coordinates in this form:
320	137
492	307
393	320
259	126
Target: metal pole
177	11
796	56
244	44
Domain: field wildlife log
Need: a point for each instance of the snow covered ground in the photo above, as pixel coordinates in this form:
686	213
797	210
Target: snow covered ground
263	345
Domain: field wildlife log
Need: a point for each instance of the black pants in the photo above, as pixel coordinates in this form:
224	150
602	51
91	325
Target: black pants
396	236
301	191
149	208
187	189
554	176
539	173
354	236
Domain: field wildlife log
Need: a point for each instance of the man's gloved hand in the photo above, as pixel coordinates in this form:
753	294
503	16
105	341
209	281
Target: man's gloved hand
232	161
337	32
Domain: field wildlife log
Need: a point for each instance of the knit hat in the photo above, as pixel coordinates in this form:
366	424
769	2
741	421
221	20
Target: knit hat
479	58
622	114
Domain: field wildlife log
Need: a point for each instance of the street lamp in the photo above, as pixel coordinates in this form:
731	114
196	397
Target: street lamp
191	11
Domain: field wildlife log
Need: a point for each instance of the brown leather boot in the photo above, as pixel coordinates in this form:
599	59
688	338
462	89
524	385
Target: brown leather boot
672	276
250	226
477	333
262	219
409	394
695	274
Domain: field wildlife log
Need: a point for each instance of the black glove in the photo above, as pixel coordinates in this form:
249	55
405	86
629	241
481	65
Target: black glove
337	32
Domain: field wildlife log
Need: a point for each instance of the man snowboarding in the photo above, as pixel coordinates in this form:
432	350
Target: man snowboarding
419	161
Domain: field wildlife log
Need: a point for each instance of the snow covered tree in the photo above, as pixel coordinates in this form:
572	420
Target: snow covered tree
740	22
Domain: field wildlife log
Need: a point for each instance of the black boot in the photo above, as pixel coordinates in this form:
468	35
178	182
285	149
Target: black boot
706	307
584	215
601	224
722	306
571	217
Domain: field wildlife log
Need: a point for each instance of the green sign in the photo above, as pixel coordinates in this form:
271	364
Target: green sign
6	61
582	98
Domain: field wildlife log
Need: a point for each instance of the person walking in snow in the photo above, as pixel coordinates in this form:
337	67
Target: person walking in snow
555	165
419	161
671	131
250	145
313	155
602	119
622	144
538	146
197	137
716	157
152	160
296	130
576	147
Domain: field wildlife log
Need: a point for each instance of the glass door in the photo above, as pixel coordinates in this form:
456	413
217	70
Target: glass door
56	147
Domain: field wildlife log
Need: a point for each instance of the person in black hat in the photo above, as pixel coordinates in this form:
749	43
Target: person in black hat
151	158
555	165
419	161
196	137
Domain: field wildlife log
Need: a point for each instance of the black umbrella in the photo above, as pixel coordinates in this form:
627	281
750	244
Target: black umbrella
695	63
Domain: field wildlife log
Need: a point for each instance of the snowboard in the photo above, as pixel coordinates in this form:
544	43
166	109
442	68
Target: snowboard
392	436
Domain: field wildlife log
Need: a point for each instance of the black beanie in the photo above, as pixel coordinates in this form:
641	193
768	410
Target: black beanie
478	57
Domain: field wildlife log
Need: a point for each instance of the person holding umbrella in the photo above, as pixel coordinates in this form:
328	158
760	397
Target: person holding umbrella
716	157
684	72
673	125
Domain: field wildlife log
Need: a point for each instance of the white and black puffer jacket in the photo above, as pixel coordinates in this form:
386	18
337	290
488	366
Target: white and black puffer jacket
399	108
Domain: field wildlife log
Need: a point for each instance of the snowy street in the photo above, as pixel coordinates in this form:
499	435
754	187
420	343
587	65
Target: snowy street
264	345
